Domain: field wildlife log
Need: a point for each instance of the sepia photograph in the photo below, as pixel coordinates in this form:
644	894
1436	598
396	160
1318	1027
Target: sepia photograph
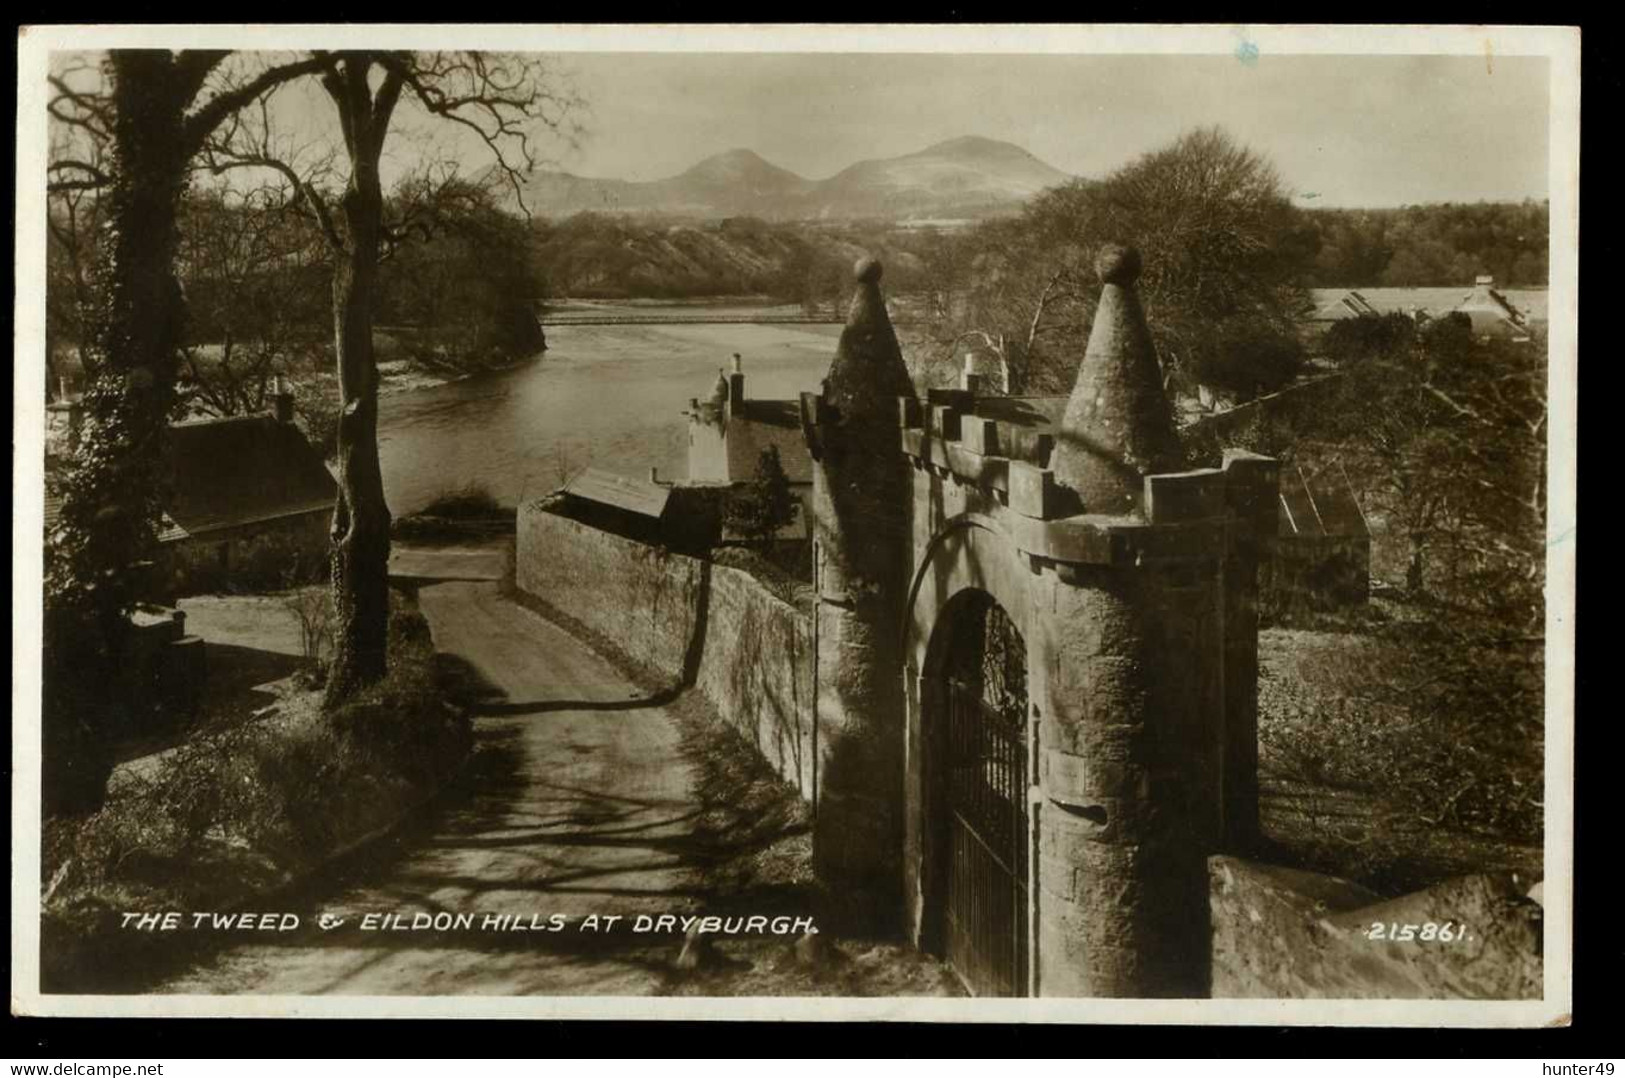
1057	524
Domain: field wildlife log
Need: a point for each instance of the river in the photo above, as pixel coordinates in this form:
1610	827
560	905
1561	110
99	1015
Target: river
611	396
608	396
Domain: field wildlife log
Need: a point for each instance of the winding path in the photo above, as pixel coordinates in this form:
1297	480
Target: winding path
578	803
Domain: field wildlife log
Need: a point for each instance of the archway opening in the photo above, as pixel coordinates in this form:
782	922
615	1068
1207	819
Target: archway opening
978	767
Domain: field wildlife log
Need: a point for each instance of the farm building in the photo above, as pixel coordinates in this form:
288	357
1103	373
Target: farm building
647	510
1494	313
1322	557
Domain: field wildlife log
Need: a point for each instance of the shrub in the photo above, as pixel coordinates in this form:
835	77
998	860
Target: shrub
247	807
1249	358
312	609
1368	337
1439	732
762	506
470	501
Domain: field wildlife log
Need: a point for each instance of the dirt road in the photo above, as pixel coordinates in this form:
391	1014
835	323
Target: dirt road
577	802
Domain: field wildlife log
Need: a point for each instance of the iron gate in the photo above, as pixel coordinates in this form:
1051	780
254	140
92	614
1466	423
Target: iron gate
987	841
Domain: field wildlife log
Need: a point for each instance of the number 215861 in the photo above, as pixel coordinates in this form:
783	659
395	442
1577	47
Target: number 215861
1431	932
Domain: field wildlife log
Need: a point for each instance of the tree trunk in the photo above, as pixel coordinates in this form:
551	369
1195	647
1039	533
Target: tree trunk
114	494
138	334
360	555
1413	572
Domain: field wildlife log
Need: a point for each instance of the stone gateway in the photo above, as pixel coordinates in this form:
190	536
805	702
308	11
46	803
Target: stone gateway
1036	663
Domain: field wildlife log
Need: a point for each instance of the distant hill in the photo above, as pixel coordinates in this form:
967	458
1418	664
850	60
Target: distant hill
609	256
962	178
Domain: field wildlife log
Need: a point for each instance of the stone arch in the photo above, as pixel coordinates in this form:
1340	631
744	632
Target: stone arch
969	556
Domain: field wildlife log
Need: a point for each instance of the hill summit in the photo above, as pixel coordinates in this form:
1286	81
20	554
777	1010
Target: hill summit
970	177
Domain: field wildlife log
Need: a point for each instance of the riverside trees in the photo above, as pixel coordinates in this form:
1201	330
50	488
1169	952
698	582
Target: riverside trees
501	100
156	112
1223	249
146	114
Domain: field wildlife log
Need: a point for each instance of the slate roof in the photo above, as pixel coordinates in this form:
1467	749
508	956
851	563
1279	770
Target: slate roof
240	470
234	471
1491	312
761	423
607	488
1522	306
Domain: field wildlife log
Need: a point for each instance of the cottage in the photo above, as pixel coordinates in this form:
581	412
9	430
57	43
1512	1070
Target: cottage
647	510
250	500
728	431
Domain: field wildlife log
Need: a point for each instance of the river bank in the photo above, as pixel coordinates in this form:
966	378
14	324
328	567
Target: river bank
608	396
409	374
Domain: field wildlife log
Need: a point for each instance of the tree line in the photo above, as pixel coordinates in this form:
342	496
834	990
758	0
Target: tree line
1431	245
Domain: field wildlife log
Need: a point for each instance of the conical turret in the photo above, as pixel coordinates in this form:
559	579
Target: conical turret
867	375
1118	427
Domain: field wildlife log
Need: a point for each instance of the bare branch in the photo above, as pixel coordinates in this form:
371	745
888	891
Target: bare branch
92	178
236	148
496	99
202	123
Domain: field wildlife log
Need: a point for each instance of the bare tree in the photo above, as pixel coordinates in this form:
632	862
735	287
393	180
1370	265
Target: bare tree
252	273
503	100
152	110
73	218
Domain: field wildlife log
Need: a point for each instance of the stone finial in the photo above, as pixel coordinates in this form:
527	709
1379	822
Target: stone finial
1118	426
867	374
1117	264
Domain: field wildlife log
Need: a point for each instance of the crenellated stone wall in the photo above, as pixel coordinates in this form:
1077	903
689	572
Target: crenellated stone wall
1132	584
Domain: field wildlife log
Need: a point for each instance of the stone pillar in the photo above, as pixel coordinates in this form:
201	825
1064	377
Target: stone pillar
861	499
1122	868
1132	722
1251	495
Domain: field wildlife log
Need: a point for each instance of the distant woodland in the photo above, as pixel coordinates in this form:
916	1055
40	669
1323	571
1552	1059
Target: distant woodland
468	285
1422	246
593	255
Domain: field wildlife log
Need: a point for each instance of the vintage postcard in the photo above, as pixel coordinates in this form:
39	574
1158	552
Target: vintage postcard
971	523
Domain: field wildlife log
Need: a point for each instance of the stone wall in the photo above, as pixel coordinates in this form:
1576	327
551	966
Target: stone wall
252	557
756	668
644	598
718	628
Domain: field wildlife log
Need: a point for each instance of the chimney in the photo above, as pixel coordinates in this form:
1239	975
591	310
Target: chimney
736	385
282	400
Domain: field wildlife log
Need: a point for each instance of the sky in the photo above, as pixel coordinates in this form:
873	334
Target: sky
1341	130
